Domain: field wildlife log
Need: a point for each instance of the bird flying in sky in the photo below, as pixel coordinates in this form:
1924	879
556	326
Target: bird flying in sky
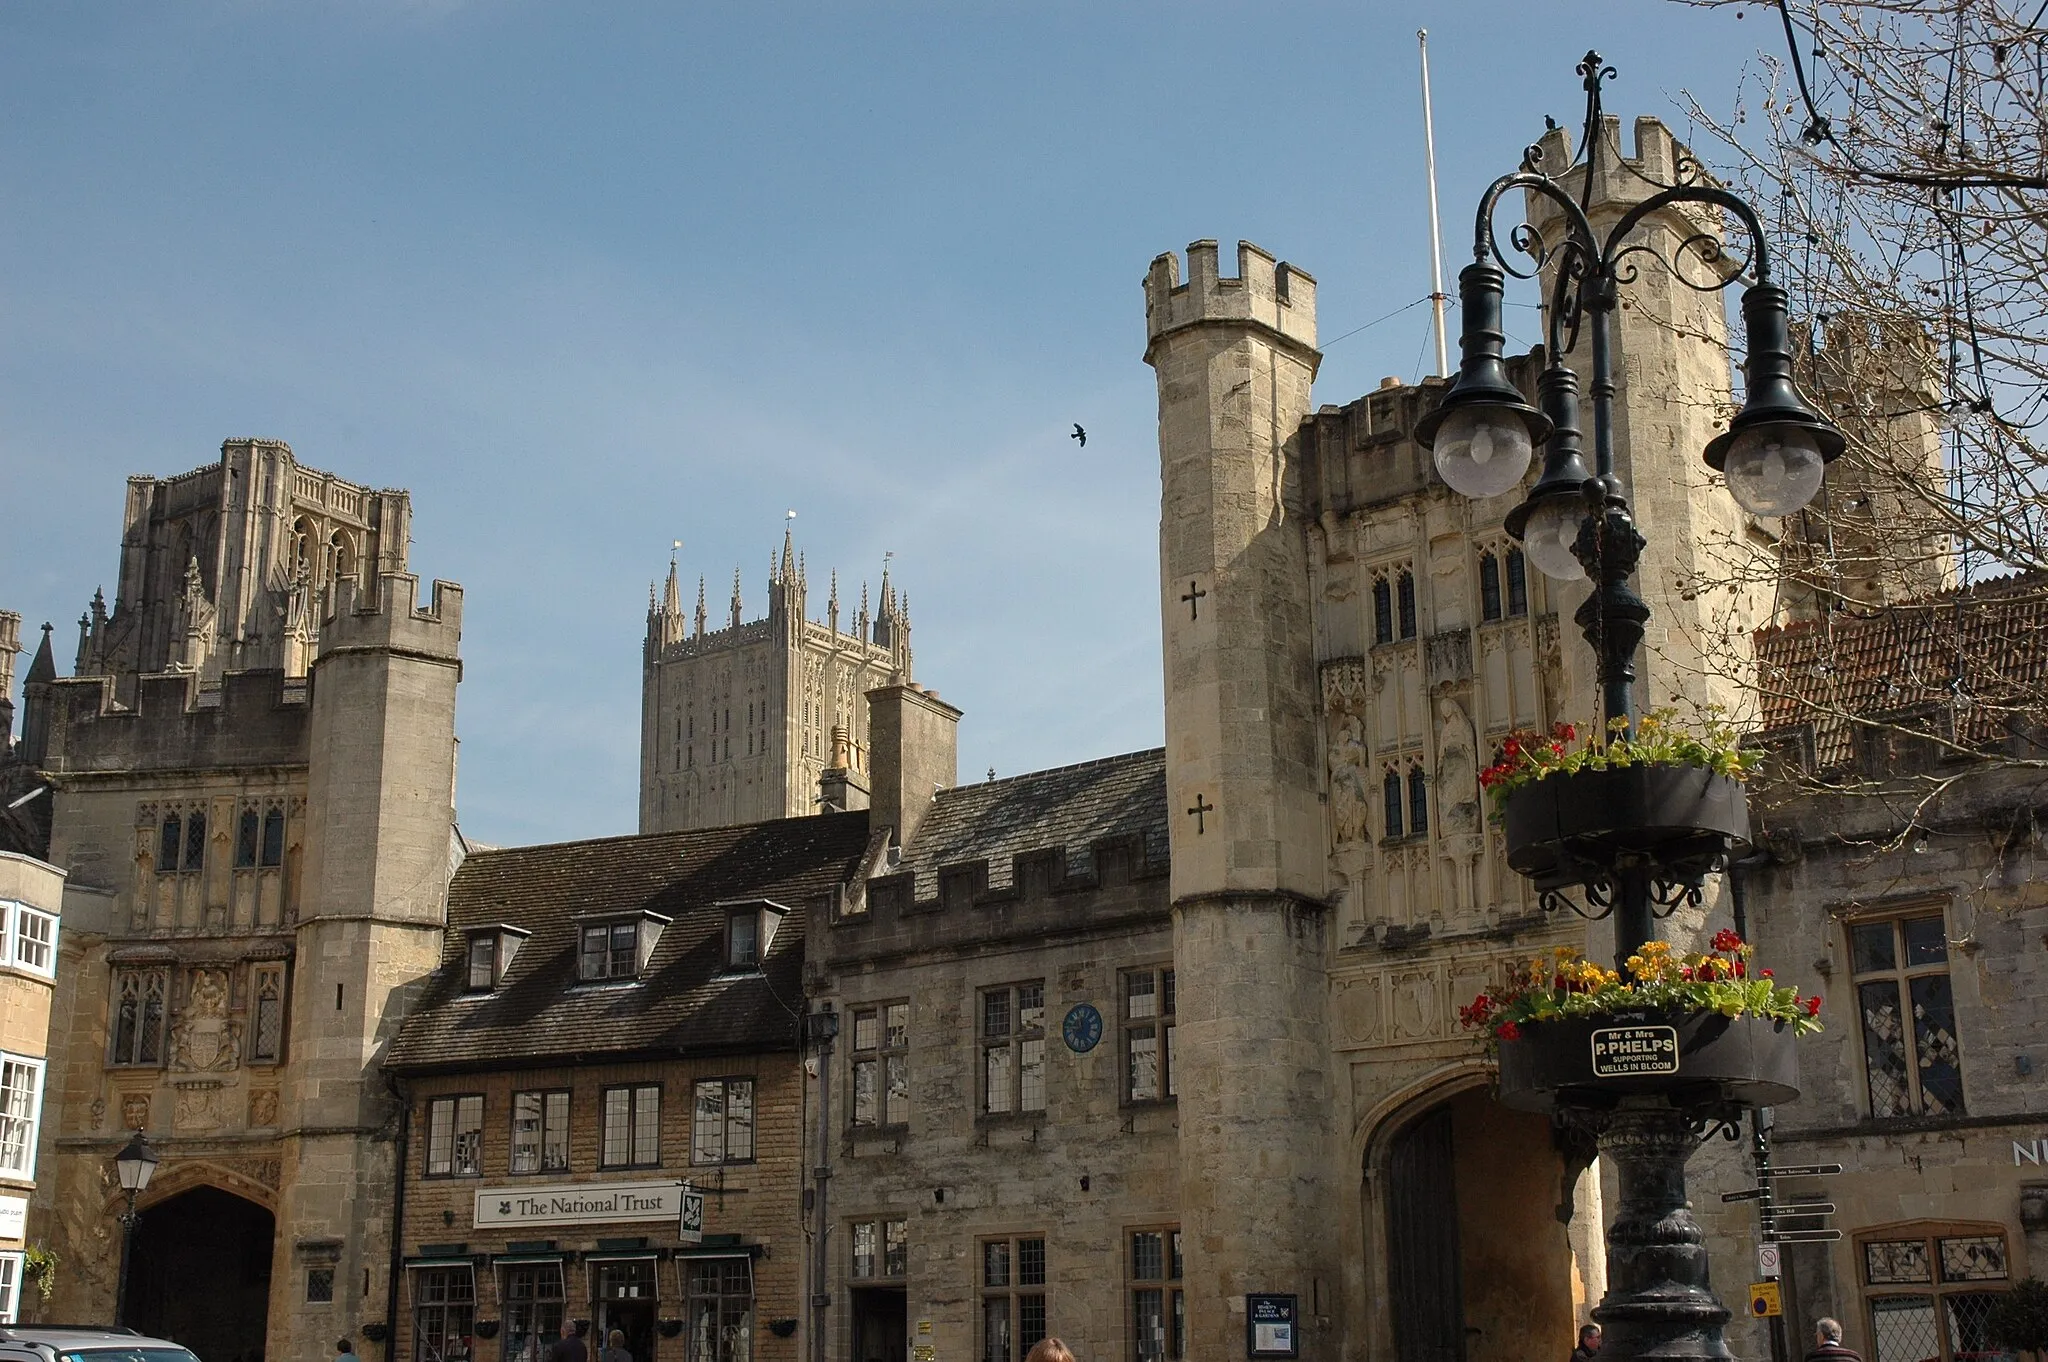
1079	434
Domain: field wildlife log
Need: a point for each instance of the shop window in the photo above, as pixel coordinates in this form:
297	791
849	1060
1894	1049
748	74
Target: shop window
1012	1297
21	1109
443	1313
631	1136
718	1309
540	1132
1013	1048
1928	1294
1158	1307
881	1249
1148	1035
1912	1061
1489	587
135	1032
10	1286
881	1065
455	1136
534	1307
722	1121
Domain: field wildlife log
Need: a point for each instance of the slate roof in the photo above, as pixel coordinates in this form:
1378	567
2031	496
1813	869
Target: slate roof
1069	807
1976	654
681	1004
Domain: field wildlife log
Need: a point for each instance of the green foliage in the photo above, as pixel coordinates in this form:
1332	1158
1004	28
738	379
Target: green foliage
1659	739
39	1265
2019	1318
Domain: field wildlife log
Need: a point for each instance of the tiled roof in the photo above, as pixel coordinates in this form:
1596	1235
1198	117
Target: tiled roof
1067	807
681	1003
1975	655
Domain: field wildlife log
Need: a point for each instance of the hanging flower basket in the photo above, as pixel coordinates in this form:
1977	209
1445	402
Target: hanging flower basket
1692	1059
1571	826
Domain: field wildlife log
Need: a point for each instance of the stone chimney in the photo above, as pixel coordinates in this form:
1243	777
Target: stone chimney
913	753
840	787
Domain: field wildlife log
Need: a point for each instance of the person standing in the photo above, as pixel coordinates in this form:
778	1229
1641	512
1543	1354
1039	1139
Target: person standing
1828	1345
569	1347
345	1351
614	1349
1589	1343
1049	1350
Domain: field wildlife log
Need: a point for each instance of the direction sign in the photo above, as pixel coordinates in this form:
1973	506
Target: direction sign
1792	1210
1807	1170
1747	1194
1764	1300
691	1229
1766	1260
1807	1236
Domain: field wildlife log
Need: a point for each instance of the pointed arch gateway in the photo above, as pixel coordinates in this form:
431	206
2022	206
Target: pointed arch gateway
1469	1258
199	1271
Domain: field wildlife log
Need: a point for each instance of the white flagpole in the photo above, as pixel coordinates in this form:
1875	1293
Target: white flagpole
1437	296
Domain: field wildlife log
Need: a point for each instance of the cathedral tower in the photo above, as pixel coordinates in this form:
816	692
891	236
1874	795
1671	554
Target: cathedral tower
1234	359
736	724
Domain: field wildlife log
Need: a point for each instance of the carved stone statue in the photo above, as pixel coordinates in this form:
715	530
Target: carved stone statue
205	1039
1457	769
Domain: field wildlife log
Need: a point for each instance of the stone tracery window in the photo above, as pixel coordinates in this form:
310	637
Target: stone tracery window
136	1028
1489	586
266	1014
248	830
1390	798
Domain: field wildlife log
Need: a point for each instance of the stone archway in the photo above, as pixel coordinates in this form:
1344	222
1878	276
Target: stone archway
199	1273
1474	1263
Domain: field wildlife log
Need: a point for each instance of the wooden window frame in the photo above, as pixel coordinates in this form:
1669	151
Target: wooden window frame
1157	1026
1170	1286
635	1092
1012	1045
552	1101
886	1060
1938	1286
448	1156
728	1085
1023	1302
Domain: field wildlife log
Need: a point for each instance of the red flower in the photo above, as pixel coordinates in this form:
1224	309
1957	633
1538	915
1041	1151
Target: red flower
1765	974
1741	970
1564	732
1510	1031
1813	1006
1727	940
1685	971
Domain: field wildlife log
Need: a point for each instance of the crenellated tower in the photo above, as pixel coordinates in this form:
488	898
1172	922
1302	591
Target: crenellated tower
736	723
1234	359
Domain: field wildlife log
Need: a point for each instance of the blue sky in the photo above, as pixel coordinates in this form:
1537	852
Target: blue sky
588	279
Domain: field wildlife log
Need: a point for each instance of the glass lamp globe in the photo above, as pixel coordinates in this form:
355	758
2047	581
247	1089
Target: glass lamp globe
1548	537
1774	469
1481	453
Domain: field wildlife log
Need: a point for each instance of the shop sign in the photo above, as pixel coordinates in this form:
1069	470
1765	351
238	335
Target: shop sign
579	1203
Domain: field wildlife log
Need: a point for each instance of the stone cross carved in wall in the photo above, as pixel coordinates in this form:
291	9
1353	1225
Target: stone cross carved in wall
206	1039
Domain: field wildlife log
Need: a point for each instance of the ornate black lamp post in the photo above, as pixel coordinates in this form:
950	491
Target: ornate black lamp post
134	1165
1647	838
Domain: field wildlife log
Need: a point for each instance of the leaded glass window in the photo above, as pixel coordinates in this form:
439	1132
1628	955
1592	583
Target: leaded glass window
1928	1296
1013	1048
1158	1308
1012	1297
1912	1057
443	1313
136	1029
718	1309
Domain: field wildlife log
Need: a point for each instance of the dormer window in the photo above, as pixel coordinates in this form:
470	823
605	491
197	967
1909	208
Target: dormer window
749	931
616	948
490	954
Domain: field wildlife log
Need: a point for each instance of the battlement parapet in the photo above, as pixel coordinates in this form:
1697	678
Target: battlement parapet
1266	293
956	904
715	640
394	622
252	719
1660	159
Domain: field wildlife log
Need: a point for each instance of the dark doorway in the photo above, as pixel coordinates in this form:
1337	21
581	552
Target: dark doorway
200	1274
881	1324
1422	1243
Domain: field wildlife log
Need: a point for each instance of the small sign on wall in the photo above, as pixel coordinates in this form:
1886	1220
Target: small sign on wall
1271	1326
13	1217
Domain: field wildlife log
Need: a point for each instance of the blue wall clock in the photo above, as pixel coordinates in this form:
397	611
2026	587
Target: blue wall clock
1083	1028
